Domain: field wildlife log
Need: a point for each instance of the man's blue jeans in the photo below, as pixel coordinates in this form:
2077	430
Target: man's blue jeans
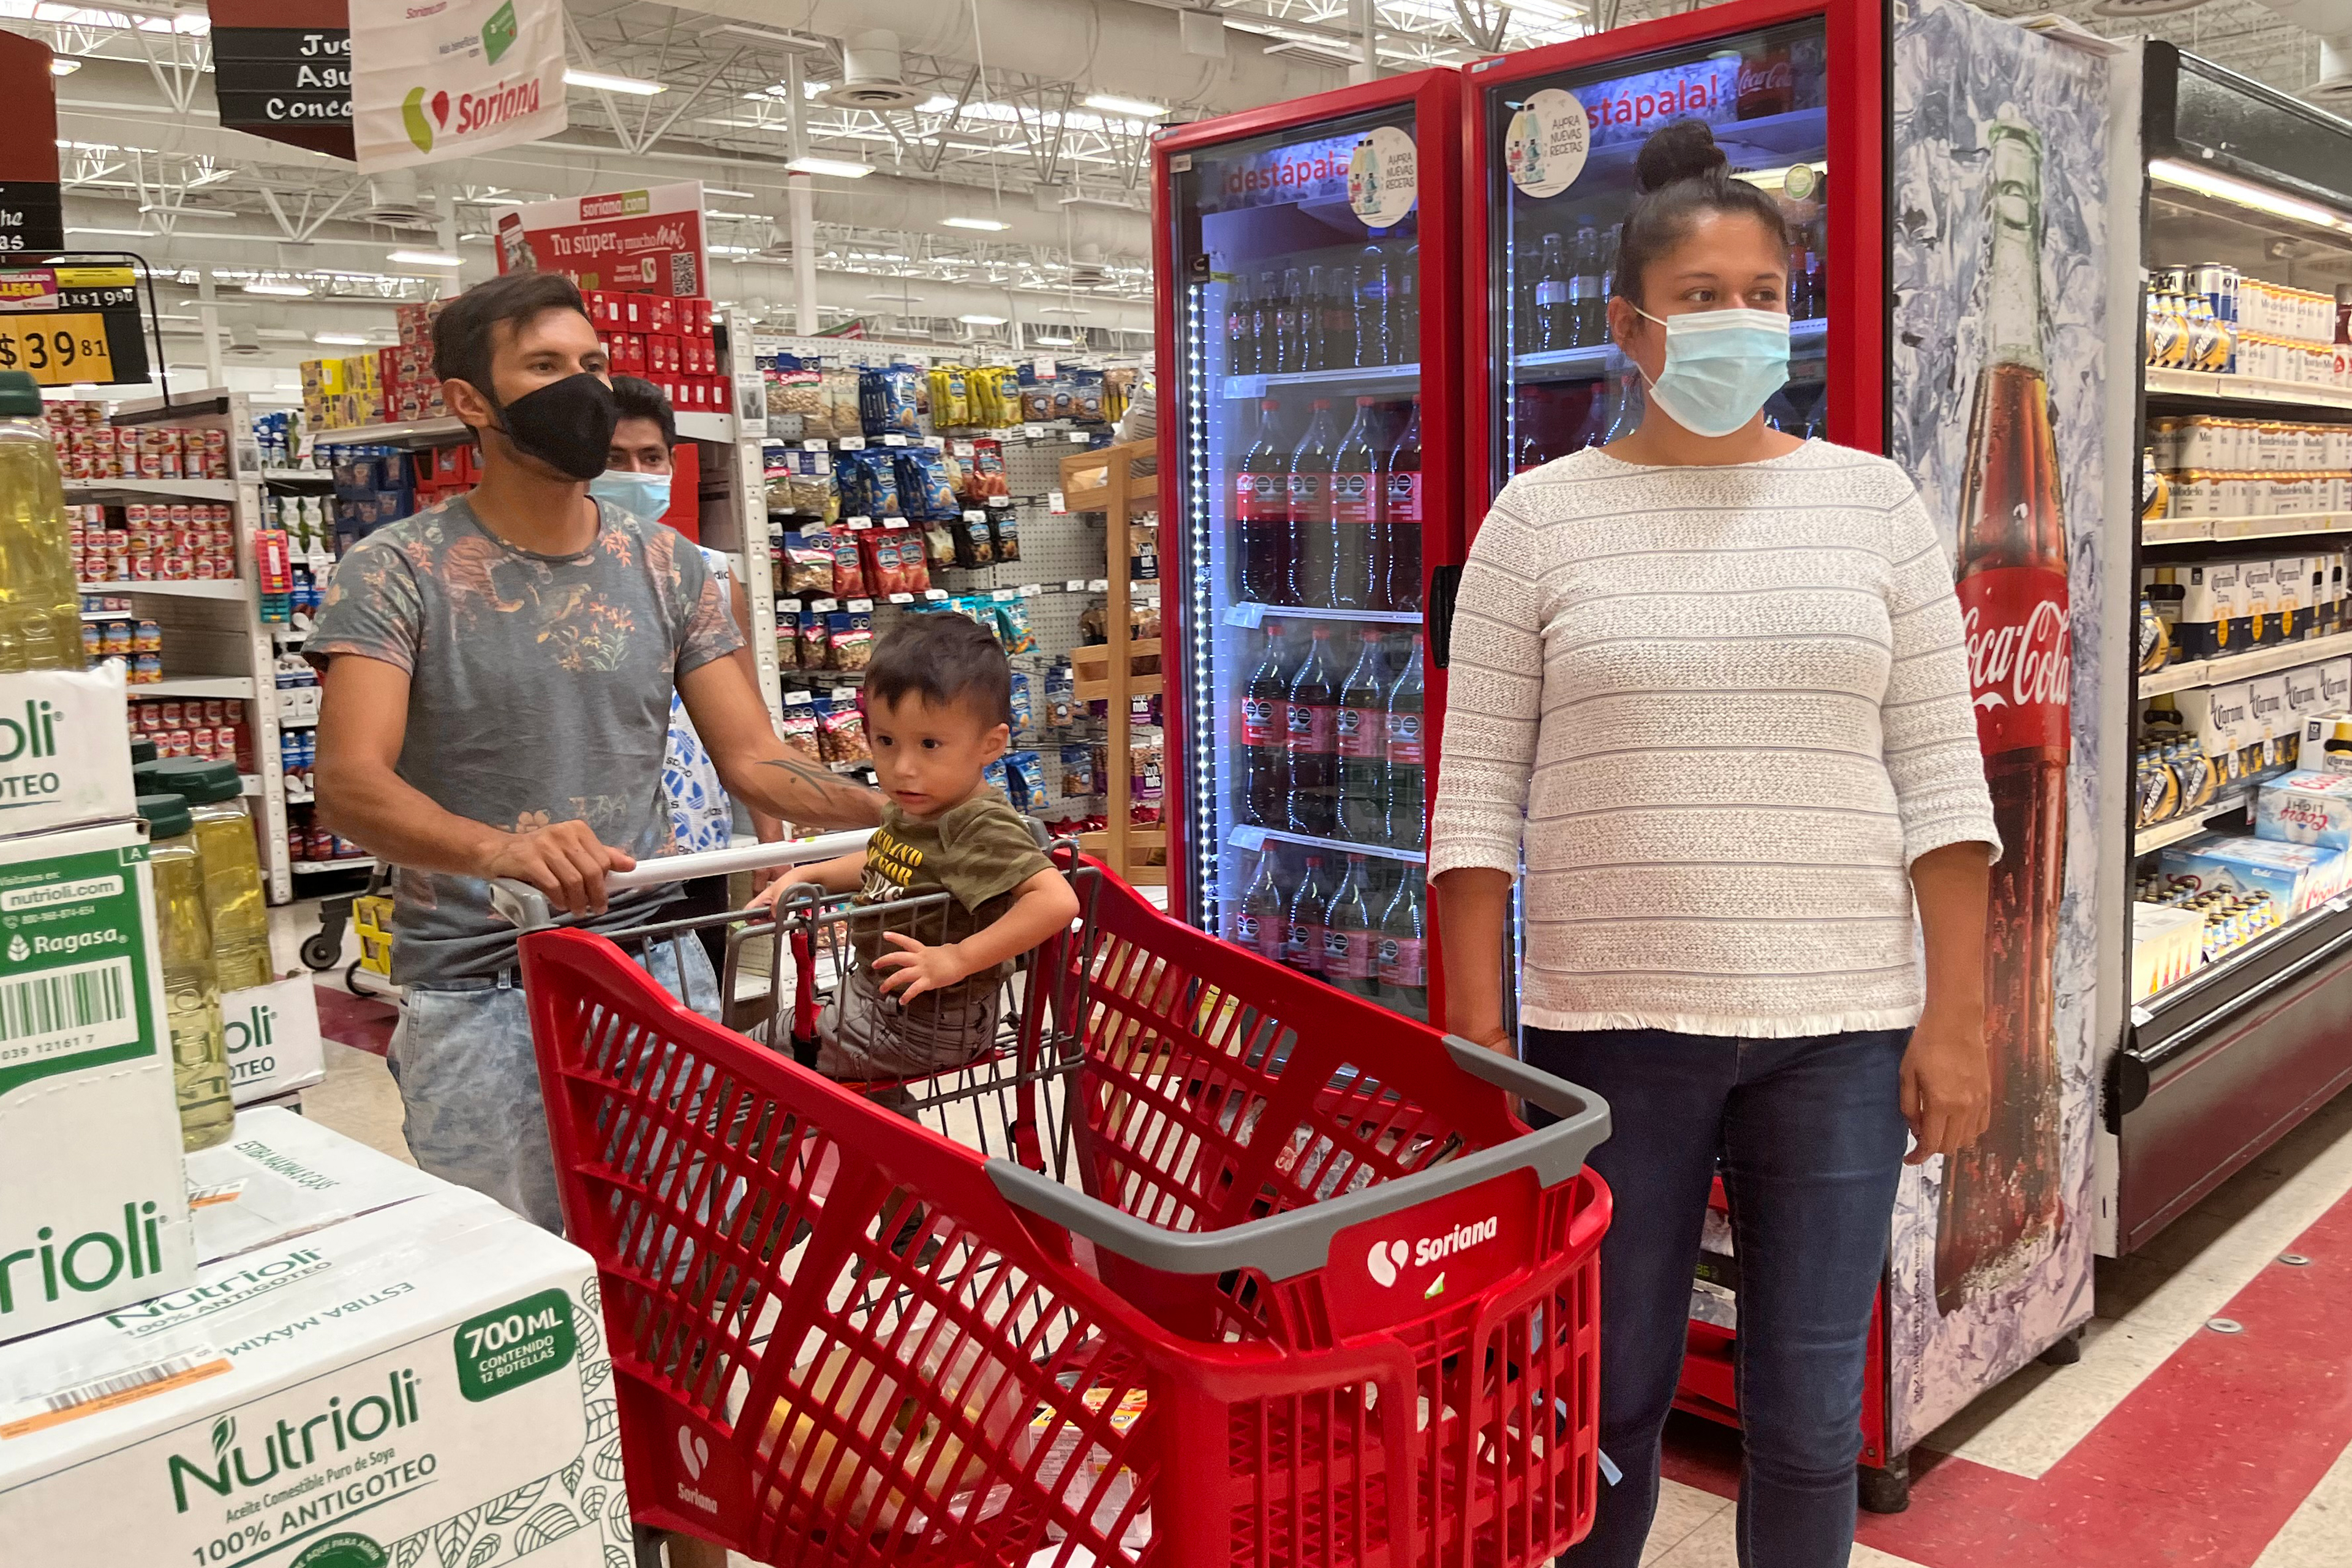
1810	1137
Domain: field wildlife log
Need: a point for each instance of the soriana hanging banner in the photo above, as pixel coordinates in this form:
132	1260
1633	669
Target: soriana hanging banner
433	79
630	242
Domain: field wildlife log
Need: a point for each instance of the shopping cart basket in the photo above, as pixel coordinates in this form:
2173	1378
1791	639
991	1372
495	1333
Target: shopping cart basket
1261	1273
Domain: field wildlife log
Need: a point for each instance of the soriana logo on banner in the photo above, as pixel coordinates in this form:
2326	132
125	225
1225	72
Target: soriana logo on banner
631	242
442	78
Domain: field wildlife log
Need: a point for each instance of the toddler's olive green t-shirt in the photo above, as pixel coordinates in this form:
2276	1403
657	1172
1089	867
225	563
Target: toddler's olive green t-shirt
978	852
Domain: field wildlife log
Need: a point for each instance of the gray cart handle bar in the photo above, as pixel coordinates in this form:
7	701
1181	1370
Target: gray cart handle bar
528	908
1285	1245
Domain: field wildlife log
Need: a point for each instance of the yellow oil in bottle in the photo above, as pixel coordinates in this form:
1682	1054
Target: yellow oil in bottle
191	998
40	605
232	866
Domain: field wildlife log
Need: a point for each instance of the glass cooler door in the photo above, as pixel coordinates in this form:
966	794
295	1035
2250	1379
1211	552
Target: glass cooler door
1297	305
1559	179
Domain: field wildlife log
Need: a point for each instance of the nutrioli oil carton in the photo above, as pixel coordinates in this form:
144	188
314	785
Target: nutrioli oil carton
274	1044
63	758
424	1385
92	1210
282	1175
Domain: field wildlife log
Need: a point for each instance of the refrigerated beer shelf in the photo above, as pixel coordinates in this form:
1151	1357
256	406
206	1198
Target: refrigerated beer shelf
2246	389
2209	530
1592	358
2148	839
2242	666
1248	612
1254	839
1360	378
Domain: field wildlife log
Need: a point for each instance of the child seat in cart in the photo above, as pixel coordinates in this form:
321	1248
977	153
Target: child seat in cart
1250	1272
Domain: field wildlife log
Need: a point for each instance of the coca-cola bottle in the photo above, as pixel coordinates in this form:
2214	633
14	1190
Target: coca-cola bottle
1259	919
1352	935
1399	549
1262	512
1588	308
1266	322
1361	726
1311	735
1308	489
1552	327
1265	699
1355	513
1405	818
1290	323
1241	329
1340	319
1302	928
1767	84
1404	307
1626	404
1801	291
1404	950
2002	1204
1375	345
1310	322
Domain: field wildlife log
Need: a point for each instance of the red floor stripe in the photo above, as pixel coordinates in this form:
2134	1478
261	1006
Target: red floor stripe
2202	1464
357	1021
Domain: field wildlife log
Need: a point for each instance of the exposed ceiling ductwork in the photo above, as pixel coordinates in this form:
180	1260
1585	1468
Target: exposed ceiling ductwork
2331	20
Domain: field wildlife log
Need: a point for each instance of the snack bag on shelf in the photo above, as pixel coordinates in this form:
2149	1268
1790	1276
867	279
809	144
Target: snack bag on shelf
1012	619
850	634
797	729
848	565
975	545
1004	530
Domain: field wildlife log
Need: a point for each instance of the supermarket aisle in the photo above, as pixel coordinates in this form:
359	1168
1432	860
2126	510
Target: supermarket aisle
2222	1449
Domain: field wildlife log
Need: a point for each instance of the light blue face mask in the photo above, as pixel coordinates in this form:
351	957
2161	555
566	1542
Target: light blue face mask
1720	367
645	497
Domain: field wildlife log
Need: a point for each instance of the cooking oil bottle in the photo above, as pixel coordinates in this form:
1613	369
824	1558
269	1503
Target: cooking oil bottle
232	865
41	607
191	997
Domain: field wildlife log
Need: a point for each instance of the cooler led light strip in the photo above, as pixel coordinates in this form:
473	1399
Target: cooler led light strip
1204	839
2245	194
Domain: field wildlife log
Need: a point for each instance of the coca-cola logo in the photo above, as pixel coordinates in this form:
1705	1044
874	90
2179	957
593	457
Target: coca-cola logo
1765	76
2026	666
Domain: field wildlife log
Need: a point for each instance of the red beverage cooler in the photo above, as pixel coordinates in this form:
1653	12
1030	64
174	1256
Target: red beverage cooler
1309	382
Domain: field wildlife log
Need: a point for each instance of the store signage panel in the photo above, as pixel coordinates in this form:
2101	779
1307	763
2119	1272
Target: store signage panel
282	69
1629	107
32	214
1312	171
72	324
432	83
627	242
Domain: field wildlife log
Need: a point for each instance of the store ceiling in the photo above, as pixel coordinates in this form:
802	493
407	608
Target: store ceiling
999	133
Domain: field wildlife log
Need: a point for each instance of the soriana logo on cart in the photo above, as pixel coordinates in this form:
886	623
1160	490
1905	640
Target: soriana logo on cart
443	78
1432	1257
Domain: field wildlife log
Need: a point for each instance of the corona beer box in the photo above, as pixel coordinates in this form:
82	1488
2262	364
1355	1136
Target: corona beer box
282	1175
93	1211
427	1383
273	1039
2312	807
65	758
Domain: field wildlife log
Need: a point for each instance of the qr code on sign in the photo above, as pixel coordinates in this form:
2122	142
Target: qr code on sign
681	273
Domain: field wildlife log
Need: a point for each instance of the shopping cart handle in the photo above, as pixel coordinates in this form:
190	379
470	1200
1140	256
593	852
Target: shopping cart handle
527	907
1292	1243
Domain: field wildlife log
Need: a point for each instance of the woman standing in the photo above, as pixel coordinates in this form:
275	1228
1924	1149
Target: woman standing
1711	679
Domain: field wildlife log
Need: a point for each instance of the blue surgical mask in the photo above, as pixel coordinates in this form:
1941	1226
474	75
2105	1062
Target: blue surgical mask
645	497
1720	367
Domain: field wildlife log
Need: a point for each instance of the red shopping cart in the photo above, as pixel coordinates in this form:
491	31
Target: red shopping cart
1253	1271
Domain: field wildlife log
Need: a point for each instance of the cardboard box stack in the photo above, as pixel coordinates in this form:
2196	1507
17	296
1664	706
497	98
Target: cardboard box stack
369	1366
664	339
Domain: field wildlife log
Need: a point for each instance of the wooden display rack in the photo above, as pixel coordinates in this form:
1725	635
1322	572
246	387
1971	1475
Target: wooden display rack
1104	481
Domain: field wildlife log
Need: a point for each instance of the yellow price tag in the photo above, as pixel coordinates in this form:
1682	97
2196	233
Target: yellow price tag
59	349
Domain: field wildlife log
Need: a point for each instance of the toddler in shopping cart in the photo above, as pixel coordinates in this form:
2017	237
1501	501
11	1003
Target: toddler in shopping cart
923	994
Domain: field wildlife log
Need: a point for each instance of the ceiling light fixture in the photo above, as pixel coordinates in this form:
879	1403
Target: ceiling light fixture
723	191
732	249
282	290
125	233
605	81
1044	342
982	321
1134	108
986	224
840	168
427	258
346	340
780	40
62	65
1064	310
714	212
2245	194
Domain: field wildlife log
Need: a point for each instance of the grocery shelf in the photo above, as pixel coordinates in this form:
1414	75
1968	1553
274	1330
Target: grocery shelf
1360	378
1247	612
442	432
2208	530
706	426
179	490
222	686
1592	358
351	863
1254	839
2157	834
300	476
191	588
2246	389
2240	665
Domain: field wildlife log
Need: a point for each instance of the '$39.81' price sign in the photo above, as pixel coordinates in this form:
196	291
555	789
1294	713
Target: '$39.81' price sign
59	349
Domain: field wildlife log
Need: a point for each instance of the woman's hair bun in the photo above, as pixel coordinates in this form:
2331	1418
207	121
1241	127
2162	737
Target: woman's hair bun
1685	150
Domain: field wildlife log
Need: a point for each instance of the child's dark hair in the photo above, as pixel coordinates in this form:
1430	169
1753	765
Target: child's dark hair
1682	173
944	658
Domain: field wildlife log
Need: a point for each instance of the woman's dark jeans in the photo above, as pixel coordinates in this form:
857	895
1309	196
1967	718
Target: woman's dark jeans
1810	1137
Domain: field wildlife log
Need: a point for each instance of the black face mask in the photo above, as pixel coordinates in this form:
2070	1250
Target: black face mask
567	425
